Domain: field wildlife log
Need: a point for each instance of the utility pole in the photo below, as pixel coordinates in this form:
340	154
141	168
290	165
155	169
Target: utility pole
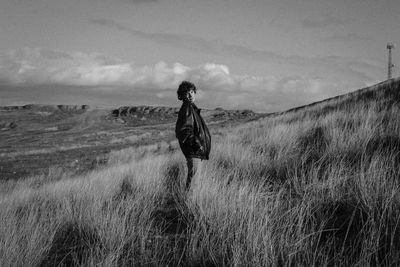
390	46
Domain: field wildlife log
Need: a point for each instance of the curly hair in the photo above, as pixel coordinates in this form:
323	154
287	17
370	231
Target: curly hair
185	87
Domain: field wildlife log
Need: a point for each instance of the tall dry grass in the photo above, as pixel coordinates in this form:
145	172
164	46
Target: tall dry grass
317	186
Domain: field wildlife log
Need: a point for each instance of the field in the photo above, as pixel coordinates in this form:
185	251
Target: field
314	186
77	139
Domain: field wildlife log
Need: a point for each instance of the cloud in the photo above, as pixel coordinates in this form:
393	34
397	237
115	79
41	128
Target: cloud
293	64
141	1
190	42
37	66
41	66
100	75
177	40
349	37
321	22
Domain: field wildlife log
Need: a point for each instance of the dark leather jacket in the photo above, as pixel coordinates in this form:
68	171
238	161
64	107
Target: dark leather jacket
192	132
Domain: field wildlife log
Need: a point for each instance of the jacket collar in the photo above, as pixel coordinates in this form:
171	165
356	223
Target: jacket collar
193	105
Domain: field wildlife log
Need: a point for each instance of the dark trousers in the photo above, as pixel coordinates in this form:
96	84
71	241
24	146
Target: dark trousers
194	168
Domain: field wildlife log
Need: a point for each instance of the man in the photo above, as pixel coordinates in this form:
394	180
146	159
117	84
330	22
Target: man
191	131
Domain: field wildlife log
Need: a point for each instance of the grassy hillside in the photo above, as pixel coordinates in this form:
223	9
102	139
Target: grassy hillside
314	186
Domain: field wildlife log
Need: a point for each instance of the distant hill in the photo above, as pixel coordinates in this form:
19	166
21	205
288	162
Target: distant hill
37	117
148	115
34	137
52	108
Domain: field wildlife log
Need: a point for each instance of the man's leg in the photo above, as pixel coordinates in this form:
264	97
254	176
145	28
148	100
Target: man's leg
194	167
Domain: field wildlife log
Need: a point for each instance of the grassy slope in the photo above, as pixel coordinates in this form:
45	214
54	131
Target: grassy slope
313	186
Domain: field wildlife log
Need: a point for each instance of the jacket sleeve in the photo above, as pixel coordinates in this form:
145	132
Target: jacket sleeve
184	126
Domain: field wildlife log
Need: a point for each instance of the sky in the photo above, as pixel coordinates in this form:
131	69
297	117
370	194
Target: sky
263	55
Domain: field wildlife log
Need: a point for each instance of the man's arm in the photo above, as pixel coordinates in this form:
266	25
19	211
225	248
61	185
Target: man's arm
184	126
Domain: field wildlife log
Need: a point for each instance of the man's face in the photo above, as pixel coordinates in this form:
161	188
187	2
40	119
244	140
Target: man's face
191	96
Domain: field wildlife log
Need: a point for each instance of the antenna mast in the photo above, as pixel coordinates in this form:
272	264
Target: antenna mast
390	46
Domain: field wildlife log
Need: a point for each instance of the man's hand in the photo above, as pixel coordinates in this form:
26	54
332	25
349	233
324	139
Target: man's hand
201	149
197	145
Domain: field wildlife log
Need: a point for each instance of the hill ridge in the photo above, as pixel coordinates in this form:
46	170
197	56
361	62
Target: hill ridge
372	90
48	107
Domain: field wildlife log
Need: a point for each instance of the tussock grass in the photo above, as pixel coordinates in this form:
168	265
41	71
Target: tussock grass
315	186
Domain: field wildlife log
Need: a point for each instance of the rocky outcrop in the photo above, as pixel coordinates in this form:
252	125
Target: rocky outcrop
7	126
144	115
73	107
143	110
